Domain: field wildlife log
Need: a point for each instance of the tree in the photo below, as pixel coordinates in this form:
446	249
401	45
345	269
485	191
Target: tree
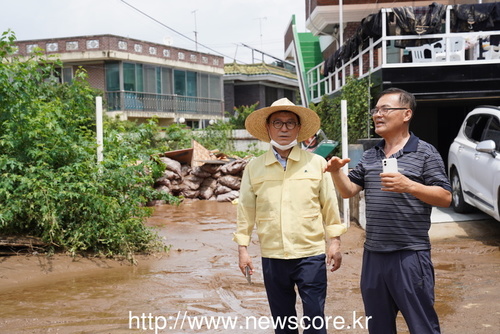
240	115
51	185
357	94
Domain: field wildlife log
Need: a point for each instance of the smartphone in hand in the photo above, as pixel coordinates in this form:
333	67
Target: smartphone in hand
247	275
390	165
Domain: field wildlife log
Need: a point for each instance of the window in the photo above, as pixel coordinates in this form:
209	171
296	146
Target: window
493	132
166	81
129	77
139	78
67	74
215	87
209	86
191	84
112	77
133	77
158	80
180	82
162	80
475	126
61	75
149	79
204	86
185	83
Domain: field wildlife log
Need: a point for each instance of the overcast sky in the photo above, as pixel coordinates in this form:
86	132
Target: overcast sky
221	25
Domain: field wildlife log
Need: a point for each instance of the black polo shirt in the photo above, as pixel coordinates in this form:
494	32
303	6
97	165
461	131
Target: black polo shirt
397	221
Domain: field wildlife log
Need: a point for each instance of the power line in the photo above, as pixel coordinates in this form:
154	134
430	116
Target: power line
164	25
269	55
260	24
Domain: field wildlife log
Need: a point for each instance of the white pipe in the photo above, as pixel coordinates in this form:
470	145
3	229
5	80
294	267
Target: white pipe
99	131
345	154
341	22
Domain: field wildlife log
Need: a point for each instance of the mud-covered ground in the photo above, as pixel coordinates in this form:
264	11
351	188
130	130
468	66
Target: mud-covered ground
199	281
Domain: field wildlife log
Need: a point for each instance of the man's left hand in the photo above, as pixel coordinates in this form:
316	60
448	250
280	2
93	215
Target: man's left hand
395	182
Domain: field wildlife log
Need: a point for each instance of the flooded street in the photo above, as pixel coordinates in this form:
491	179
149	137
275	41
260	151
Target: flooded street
198	281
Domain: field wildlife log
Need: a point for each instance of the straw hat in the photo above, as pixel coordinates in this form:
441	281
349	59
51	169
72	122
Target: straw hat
256	121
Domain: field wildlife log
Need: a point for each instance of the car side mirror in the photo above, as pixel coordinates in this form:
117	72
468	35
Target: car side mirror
487	146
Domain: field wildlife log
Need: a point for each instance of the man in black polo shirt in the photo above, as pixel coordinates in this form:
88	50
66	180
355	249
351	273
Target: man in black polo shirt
397	272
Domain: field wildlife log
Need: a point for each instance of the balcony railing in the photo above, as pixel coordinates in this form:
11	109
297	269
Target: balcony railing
446	49
163	103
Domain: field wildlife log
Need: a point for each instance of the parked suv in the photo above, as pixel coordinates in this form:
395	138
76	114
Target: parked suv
474	162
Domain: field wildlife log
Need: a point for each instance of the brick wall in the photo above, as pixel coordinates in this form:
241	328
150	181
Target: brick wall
96	75
105	43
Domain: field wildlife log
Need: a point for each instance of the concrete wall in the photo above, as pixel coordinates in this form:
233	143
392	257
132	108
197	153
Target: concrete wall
244	141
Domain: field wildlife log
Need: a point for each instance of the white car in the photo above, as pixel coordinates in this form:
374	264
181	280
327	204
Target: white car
474	162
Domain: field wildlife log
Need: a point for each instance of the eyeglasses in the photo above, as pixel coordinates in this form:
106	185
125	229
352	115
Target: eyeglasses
383	111
290	125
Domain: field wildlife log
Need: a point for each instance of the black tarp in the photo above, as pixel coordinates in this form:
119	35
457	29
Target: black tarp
417	21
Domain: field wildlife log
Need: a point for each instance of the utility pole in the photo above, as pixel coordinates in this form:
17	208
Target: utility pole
195	29
260	25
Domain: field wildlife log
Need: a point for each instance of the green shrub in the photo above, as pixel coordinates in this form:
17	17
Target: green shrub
217	137
357	94
51	185
240	115
177	137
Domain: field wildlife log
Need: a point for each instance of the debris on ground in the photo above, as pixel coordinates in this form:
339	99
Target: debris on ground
198	173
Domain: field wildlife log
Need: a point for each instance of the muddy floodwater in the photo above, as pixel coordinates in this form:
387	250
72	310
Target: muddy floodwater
198	288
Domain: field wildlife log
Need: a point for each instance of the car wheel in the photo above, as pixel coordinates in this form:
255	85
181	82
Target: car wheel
458	202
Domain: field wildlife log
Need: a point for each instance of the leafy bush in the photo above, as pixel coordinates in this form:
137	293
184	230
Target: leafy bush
240	115
51	185
252	150
357	94
177	137
217	137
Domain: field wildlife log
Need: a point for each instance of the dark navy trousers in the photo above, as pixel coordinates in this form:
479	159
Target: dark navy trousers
280	279
399	281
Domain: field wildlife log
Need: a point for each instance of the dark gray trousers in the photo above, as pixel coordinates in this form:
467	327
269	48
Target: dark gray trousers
399	281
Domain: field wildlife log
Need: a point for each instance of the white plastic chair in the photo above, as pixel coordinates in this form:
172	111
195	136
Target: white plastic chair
421	54
457	50
438	47
492	52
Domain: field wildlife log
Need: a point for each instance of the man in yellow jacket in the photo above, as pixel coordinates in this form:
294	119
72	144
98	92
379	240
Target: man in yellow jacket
293	204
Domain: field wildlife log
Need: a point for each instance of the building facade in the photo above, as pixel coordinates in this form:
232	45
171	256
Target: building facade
140	79
261	83
446	53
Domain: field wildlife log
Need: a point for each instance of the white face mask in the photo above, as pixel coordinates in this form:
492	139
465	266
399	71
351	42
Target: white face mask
283	147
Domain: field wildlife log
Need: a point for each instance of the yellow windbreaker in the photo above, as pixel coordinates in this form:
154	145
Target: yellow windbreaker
293	209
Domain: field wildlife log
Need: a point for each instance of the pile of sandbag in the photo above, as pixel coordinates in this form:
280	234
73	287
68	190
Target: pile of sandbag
215	182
